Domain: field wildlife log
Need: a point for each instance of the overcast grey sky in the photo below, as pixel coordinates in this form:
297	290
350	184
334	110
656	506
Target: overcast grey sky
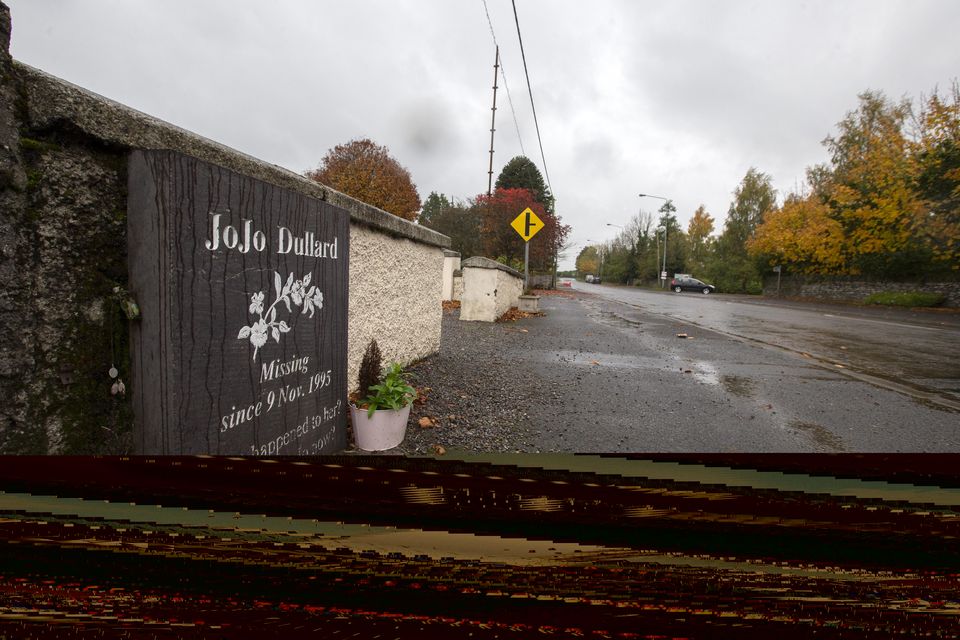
676	99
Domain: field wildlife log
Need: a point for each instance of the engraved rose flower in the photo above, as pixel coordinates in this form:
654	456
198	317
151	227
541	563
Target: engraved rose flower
297	292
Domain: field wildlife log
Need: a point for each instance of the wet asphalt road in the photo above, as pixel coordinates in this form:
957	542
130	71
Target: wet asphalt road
604	371
917	351
754	376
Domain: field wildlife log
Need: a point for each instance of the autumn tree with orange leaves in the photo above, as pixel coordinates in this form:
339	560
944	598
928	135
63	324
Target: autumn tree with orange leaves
366	171
888	202
698	239
802	235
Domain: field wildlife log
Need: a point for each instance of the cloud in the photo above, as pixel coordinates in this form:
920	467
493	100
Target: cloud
677	98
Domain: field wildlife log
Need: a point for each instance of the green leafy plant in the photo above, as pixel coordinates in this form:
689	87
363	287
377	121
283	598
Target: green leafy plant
392	393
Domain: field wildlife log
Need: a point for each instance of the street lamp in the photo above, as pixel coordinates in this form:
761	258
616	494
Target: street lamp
663	278
663	272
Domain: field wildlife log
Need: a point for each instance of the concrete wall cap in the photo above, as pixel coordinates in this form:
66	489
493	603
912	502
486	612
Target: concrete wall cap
52	101
486	263
448	253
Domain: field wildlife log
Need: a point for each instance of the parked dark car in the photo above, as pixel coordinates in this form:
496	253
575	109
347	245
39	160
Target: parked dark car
691	284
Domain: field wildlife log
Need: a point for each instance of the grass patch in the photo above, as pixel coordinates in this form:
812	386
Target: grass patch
906	299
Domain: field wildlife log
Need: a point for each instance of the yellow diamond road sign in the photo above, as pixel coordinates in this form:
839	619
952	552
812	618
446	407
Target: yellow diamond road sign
527	224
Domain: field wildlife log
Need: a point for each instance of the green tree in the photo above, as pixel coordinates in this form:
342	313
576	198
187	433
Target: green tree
731	267
522	173
433	207
462	225
751	200
676	244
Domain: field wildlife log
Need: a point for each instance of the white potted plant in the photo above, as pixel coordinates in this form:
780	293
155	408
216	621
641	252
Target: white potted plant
382	406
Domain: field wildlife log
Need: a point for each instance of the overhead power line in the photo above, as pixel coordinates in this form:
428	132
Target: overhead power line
503	74
530	91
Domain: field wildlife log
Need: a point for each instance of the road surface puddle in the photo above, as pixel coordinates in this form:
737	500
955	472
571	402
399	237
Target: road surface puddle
706	373
615	360
738	385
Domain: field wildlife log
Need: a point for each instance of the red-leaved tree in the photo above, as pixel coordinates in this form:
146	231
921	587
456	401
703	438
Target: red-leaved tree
501	241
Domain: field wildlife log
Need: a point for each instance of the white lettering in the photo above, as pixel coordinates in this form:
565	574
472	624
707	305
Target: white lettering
259	240
230	237
214	240
285	241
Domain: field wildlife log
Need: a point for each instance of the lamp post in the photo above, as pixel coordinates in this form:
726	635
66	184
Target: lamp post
662	274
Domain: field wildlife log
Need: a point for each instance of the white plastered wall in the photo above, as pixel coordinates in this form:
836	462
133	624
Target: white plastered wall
450	264
488	293
395	295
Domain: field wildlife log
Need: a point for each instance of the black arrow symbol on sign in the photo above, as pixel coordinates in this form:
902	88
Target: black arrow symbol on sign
529	223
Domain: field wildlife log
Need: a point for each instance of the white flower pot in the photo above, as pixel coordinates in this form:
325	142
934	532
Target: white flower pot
384	430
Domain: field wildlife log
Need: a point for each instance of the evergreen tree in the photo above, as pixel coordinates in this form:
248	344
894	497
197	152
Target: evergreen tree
731	268
433	207
522	173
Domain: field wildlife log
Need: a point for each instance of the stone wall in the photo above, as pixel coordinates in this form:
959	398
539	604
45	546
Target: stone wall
854	289
451	265
63	261
490	289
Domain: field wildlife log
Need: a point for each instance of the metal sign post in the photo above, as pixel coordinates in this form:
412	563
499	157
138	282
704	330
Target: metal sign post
526	266
527	224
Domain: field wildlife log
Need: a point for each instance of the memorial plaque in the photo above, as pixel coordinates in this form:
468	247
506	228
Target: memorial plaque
241	347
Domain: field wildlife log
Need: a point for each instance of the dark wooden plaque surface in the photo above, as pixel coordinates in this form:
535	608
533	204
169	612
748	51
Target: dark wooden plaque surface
242	286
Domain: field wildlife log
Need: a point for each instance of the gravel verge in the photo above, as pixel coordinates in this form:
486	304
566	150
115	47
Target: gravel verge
475	394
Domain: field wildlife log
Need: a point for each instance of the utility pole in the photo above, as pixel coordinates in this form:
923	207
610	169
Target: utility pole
493	120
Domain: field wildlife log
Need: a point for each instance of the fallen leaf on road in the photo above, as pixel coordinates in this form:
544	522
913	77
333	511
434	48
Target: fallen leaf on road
594	362
839	366
682	335
439	450
426	422
687	371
